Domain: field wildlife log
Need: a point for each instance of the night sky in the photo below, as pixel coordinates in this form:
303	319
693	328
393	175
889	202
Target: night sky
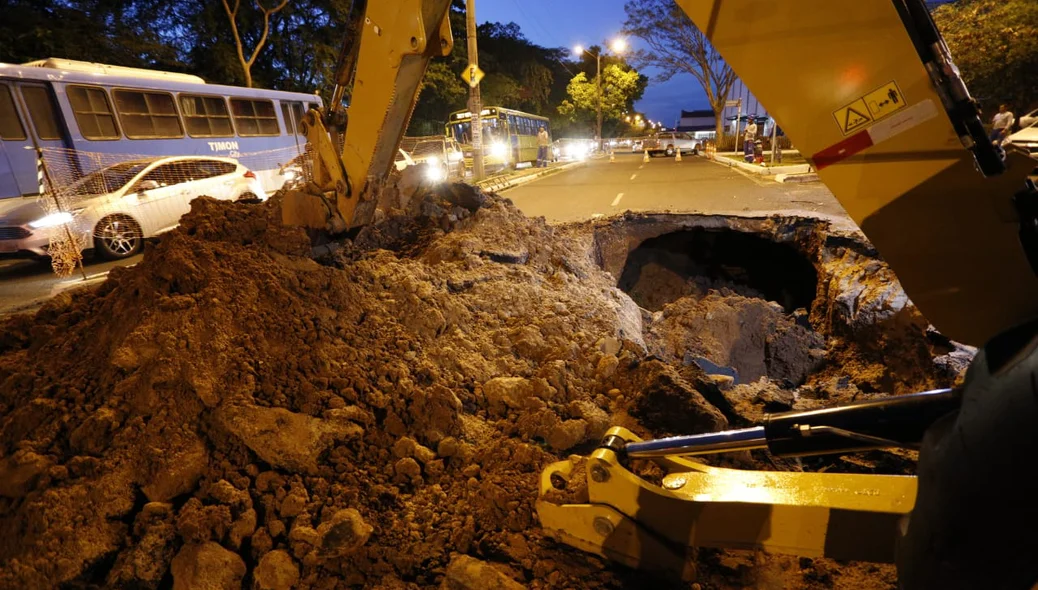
566	23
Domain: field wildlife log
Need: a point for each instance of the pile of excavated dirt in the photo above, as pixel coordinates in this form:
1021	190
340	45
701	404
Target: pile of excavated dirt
232	413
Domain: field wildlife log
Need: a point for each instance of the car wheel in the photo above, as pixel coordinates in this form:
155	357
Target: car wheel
670	151
117	237
248	197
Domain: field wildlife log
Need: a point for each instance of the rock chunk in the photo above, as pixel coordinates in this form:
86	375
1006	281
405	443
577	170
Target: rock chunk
207	566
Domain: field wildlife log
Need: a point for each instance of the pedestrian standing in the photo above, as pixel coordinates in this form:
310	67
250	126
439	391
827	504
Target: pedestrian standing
748	139
543	143
1001	124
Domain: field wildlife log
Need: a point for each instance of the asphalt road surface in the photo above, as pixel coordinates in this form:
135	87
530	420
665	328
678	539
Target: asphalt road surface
694	185
24	284
597	188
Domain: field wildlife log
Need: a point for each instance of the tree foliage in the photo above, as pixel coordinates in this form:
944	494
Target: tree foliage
232	17
676	45
995	45
620	88
299	53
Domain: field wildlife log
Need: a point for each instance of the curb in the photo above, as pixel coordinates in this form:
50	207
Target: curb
764	170
809	177
507	182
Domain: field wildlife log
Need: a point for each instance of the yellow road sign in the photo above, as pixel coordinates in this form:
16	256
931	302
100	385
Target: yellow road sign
885	100
472	75
853	116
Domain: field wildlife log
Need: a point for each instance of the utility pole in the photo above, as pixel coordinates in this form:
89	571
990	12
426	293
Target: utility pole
475	104
598	57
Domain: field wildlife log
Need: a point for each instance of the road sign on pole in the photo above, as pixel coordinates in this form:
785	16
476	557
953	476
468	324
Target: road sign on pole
472	75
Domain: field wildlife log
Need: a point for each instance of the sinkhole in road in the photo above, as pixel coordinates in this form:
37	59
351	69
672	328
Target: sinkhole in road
696	260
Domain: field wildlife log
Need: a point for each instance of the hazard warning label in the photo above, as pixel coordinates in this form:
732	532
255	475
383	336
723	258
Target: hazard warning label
885	100
853	116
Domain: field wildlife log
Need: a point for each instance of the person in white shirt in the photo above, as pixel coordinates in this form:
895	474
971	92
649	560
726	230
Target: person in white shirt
750	135
1001	124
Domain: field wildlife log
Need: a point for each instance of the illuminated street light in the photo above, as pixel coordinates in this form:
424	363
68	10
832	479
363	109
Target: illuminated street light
618	45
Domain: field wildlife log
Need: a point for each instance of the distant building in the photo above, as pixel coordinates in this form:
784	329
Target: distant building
700	123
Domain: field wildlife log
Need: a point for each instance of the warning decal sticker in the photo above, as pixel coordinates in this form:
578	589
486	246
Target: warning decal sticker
853	116
885	100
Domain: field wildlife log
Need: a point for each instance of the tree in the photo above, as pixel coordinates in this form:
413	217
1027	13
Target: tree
995	45
676	45
232	15
620	86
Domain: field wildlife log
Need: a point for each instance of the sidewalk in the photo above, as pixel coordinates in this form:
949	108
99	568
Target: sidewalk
778	173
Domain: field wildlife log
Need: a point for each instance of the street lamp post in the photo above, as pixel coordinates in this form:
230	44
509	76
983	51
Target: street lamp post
618	47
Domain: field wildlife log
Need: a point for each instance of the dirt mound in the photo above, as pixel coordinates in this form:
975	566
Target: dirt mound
232	413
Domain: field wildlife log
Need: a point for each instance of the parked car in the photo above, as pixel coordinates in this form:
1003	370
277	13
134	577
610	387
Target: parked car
300	168
442	156
1028	120
667	142
1026	138
572	149
116	208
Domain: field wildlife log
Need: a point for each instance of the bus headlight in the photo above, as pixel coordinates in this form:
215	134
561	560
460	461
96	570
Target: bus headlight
498	150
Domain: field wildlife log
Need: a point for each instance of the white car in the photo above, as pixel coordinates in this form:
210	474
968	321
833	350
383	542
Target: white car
116	208
1028	120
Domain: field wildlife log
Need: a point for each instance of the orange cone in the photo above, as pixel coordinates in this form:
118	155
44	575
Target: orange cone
645	158
677	155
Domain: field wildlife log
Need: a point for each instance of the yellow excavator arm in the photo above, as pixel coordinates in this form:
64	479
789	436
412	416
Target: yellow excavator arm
873	100
397	40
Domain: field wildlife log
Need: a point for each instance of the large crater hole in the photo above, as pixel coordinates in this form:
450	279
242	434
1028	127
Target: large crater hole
692	262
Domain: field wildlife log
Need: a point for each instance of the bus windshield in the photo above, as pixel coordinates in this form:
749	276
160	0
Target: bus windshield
493	128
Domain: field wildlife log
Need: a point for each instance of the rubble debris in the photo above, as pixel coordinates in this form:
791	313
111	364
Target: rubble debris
233	411
207	566
276	571
467	573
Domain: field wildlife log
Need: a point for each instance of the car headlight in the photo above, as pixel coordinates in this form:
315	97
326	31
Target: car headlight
435	173
433	161
52	220
498	150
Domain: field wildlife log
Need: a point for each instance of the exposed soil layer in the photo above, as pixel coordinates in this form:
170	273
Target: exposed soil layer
232	413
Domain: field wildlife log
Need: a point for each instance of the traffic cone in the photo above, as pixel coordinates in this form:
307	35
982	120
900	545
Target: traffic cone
677	155
612	156
645	158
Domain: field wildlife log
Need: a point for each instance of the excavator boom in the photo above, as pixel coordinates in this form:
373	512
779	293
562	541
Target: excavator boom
397	40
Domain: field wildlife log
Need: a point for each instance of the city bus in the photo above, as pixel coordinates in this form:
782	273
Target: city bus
509	136
79	110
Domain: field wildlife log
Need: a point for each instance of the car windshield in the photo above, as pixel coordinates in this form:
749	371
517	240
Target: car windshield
107	179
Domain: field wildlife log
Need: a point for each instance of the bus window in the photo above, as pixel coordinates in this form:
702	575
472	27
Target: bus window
206	116
148	115
286	117
41	110
93	112
254	117
10	123
297	111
